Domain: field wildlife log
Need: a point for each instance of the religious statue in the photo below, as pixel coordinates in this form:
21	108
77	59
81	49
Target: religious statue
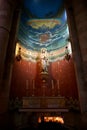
44	60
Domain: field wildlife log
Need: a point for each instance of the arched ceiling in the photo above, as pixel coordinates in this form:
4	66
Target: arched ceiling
43	24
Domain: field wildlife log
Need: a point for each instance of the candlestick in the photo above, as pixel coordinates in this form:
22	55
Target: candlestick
58	87
26	84
33	84
58	83
52	84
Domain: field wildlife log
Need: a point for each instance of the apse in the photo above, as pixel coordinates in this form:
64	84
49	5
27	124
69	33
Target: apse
43	24
44	66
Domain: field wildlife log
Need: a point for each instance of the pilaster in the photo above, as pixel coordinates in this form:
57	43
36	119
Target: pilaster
75	14
9	16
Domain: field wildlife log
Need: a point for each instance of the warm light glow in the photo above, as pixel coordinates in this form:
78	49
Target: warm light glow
39	120
17	48
70	48
31	55
54	119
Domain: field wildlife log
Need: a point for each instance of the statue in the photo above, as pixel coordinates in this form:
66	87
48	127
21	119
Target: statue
44	60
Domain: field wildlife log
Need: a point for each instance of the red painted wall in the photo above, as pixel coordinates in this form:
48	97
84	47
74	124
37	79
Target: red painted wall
27	81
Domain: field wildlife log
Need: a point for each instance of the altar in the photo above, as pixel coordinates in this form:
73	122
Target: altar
43	104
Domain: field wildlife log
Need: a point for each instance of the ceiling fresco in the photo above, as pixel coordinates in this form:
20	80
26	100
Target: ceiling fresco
43	24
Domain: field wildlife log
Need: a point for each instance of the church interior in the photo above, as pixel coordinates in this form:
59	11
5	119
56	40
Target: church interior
43	64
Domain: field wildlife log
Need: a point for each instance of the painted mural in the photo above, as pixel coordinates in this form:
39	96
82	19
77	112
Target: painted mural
38	30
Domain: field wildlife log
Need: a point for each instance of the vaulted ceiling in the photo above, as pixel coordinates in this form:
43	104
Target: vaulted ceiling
43	24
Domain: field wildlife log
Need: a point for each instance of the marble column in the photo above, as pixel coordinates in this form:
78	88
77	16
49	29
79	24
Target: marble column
74	11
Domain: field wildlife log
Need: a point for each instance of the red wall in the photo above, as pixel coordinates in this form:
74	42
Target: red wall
24	72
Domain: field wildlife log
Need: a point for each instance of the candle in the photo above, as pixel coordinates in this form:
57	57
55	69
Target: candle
26	84
58	87
58	83
52	84
33	84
